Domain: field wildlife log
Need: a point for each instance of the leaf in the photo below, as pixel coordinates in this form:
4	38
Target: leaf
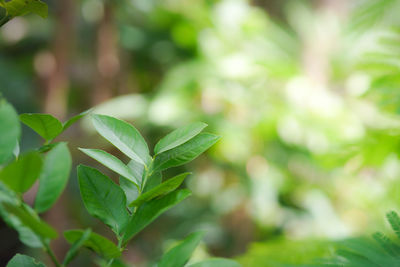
74	119
20	260
394	221
180	254
10	130
103	198
162	189
216	262
99	244
179	136
130	189
22	173
185	152
73	251
154	180
149	211
21	7
54	177
123	136
137	169
112	163
45	125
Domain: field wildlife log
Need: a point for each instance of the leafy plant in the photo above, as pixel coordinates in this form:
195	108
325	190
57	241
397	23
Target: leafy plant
14	8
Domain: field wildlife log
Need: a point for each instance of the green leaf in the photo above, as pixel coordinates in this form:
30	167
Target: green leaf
394	220
112	163
149	211
123	136
162	189
216	262
185	152
137	169
20	260
179	136
73	251
99	244
10	130
74	119
130	189
103	198
22	173
45	125
54	177
180	254
21	7
152	181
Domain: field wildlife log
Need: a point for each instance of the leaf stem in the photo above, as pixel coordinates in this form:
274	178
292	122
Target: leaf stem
52	256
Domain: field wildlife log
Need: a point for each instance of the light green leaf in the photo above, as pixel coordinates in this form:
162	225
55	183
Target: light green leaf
216	262
99	244
73	251
45	125
162	189
20	260
21	7
54	177
112	163
185	152
180	254
130	189
10	130
22	173
103	198
137	169
74	119
152	181
149	211
179	136
123	136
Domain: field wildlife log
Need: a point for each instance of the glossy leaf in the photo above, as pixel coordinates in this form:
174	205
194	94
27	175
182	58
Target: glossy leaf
54	177
149	211
123	136
20	260
216	262
73	251
10	130
162	189
22	173
180	254
185	152
179	136
112	163
21	7
103	198
74	119
45	125
99	244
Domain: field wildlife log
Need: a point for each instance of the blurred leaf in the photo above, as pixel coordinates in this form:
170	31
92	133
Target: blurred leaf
179	136
162	189
73	251
10	130
103	199
123	136
216	262
20	260
99	244
149	211
21	174
74	119
54	177
180	254
45	125
21	7
185	152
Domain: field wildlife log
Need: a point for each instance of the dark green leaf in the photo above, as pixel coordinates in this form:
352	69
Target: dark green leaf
97	243
149	211
185	152
74	119
162	189
20	260
180	254
216	262
45	125
22	173
394	221
73	251
179	136
103	198
10	130
54	177
123	136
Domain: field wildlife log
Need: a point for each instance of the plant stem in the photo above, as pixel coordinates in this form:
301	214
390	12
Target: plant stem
52	256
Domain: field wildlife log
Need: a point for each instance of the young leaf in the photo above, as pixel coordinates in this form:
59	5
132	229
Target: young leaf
216	262
180	254
179	136
154	180
10	130
73	251
22	173
99	244
112	163
20	260
54	177
103	199
123	136
45	125
74	119
149	211
162	189
185	152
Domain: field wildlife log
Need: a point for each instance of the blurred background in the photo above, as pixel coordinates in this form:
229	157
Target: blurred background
305	95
